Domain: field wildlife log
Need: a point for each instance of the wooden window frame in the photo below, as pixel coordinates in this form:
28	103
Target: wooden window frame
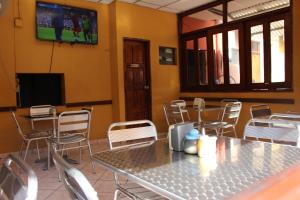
245	44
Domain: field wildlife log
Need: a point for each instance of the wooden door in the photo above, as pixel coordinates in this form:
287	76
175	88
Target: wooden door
137	79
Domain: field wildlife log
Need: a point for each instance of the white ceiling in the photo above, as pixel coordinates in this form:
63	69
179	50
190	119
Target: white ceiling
174	6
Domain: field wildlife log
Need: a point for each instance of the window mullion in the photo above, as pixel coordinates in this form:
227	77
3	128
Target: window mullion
267	53
225	58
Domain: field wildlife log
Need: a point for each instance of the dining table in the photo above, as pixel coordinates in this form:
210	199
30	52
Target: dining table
237	165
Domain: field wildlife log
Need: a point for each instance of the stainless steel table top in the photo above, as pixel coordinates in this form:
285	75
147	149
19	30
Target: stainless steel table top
237	165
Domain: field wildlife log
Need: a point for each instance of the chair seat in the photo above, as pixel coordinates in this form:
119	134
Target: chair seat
37	135
214	125
67	139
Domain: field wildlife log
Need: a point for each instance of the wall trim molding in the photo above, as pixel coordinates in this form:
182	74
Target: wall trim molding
71	104
247	100
89	103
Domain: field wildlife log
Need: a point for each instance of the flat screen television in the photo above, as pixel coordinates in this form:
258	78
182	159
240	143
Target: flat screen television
62	23
40	89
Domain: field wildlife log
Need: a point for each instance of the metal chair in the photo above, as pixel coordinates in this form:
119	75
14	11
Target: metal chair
274	130
75	182
199	106
182	106
125	134
223	102
229	119
17	180
173	114
259	111
73	132
31	136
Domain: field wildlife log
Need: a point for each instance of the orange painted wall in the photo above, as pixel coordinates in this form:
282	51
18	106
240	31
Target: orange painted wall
86	68
160	28
245	115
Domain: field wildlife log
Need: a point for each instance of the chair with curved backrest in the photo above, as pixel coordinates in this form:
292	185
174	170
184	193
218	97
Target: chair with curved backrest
199	106
75	182
73	132
229	118
126	134
223	102
17	180
30	136
275	130
182	106
260	111
173	114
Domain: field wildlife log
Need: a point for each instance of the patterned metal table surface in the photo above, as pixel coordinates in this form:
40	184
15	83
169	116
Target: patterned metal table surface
237	165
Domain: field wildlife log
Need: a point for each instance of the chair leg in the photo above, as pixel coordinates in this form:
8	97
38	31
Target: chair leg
234	131
21	149
80	153
116	196
91	158
27	147
49	155
37	149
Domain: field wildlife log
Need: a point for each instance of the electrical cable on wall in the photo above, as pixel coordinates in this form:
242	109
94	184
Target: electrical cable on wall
51	58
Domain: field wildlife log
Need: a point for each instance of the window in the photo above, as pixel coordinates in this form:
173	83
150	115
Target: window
246	48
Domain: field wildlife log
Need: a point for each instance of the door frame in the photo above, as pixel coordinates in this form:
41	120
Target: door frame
147	70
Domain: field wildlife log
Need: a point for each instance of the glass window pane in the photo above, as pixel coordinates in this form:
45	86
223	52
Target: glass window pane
277	51
234	57
218	58
257	54
203	19
239	9
202	55
190	62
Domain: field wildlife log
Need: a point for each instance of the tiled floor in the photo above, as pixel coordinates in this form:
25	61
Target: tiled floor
51	189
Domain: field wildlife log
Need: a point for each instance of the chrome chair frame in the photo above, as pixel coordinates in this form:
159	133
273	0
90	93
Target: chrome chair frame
32	136
11	184
74	180
73	128
182	106
126	133
229	119
173	114
273	130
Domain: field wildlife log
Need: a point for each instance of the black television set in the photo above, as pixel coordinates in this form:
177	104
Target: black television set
63	23
40	89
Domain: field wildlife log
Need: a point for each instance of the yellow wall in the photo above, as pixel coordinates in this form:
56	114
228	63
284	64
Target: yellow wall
245	115
160	28
86	68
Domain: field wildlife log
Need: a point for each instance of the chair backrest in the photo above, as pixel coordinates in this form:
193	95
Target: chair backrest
199	104
180	103
273	129
231	112
41	110
13	114
131	131
74	122
173	114
75	182
224	101
17	180
261	110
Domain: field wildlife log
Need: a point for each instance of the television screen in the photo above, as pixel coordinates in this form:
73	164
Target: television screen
66	24
40	89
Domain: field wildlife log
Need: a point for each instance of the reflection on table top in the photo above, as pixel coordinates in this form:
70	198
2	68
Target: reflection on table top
237	165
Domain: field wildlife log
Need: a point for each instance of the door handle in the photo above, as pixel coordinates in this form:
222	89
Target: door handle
146	87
